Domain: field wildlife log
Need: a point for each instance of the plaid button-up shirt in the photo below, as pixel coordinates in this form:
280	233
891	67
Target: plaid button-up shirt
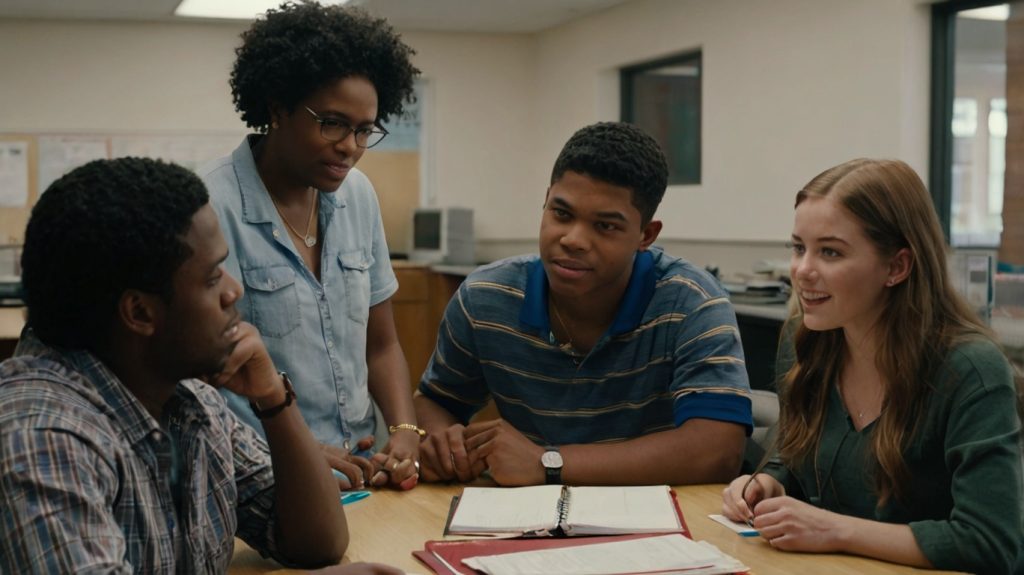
85	473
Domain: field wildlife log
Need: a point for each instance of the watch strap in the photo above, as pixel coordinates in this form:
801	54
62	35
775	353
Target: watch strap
289	398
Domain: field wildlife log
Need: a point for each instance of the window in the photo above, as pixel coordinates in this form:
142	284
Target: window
969	121
664	98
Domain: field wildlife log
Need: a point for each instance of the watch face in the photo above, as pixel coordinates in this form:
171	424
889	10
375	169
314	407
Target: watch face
551	459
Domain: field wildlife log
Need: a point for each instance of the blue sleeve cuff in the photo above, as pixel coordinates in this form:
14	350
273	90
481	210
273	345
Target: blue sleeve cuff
718	406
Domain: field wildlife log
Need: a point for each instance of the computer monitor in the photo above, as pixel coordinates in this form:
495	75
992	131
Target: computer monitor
443	235
971	270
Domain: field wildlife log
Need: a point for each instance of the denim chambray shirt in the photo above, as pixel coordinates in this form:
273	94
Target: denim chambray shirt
314	330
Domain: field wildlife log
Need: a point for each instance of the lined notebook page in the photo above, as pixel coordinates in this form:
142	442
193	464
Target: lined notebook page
639	509
506	509
647	555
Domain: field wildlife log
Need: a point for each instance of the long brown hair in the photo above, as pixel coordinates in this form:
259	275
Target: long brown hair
922	318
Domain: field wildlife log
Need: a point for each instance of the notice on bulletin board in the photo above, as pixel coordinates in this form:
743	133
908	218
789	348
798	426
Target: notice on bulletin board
14	167
190	151
59	155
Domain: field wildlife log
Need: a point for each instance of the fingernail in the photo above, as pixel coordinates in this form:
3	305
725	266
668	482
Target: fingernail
378	478
409	483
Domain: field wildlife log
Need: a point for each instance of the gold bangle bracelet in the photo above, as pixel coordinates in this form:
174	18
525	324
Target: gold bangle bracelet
419	431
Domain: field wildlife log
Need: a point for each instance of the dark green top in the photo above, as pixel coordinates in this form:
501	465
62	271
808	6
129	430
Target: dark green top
966	501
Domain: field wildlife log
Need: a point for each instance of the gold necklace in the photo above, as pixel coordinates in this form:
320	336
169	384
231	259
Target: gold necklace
849	405
561	322
307	238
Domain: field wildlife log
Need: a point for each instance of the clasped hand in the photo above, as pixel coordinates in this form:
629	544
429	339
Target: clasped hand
395	465
464	452
787	523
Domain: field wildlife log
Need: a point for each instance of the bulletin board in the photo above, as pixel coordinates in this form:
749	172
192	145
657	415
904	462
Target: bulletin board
17	185
29	163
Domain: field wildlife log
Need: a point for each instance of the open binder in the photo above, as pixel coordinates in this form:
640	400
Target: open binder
555	510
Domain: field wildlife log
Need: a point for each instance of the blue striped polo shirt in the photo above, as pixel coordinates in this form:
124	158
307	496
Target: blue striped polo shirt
672	353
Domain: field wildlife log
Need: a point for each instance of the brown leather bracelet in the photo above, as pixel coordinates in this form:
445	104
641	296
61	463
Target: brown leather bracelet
289	398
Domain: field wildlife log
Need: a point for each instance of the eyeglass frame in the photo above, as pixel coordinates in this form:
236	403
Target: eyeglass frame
348	130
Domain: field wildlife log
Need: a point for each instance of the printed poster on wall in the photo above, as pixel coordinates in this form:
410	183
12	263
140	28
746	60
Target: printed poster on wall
13	174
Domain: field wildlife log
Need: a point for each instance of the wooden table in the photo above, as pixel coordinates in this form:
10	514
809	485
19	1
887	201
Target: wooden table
387	526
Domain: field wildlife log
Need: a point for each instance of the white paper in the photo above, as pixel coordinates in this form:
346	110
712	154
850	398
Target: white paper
648	554
741	528
13	174
504	509
640	509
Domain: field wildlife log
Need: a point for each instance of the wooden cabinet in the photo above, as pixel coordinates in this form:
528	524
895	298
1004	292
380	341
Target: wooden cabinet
419	306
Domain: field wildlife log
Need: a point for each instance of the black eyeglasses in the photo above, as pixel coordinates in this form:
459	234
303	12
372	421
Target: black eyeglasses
334	130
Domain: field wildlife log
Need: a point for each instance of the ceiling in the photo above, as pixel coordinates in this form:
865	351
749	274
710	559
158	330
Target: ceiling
514	16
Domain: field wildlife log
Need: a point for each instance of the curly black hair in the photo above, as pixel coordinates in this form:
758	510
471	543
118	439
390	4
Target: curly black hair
620	154
105	227
300	47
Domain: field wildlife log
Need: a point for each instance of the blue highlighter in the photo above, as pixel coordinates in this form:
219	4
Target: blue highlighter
349	496
353	496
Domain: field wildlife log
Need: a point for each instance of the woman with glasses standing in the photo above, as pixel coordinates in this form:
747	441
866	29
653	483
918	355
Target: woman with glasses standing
898	430
304	228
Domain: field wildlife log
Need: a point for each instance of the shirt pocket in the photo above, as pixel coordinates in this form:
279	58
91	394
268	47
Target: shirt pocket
355	270
273	299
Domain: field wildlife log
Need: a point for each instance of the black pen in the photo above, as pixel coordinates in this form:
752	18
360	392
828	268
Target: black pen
743	496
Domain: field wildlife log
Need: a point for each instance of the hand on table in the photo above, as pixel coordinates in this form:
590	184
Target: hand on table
741	496
511	458
355	469
396	464
444	457
793	525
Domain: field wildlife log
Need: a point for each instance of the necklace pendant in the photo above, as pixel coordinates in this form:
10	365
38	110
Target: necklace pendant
310	241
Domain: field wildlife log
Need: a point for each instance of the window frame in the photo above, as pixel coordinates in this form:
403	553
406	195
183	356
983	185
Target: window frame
627	98
940	154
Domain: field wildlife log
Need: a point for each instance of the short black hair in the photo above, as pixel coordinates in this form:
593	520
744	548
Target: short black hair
298	48
621	154
105	227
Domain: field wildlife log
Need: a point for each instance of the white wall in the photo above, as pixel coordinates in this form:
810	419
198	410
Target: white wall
110	77
482	123
155	77
791	87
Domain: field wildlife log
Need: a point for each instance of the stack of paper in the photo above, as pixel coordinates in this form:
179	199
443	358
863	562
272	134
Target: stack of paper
635	529
662	554
757	291
646	555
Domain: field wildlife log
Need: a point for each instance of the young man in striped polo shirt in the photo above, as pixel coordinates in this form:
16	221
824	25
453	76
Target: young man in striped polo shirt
610	362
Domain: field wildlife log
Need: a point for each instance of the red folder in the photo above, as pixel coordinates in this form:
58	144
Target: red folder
445	557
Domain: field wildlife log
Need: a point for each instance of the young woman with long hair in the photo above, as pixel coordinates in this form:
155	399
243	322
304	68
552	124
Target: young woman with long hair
899	434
